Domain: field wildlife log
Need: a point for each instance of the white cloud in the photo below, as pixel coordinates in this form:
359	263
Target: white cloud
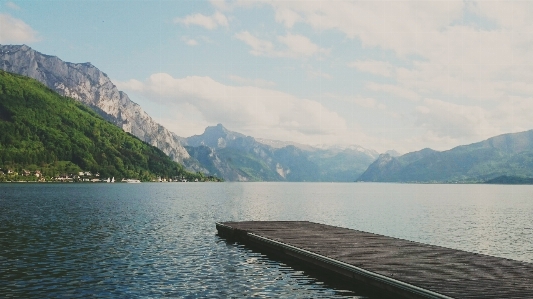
189	41
444	119
293	46
132	84
514	114
439	143
449	124
220	4
471	63
456	57
396	25
185	121
318	74
361	101
208	22
368	103
374	67
265	112
508	14
16	31
259	47
252	82
12	5
299	45
394	90
288	17
472	57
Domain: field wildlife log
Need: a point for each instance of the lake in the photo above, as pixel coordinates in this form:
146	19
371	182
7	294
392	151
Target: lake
159	239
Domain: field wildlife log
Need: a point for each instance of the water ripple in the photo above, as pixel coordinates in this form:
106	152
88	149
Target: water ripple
159	240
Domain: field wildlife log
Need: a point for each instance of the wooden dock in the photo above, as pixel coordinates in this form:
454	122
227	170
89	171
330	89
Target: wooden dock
400	267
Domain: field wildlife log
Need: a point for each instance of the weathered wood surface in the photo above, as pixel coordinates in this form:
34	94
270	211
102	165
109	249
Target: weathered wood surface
450	272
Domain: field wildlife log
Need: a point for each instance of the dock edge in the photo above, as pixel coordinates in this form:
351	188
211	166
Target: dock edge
350	271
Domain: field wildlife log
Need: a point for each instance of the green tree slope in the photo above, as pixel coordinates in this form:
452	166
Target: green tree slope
40	127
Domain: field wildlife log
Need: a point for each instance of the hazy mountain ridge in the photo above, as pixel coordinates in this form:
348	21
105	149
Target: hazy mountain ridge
87	84
235	156
503	155
348	148
281	144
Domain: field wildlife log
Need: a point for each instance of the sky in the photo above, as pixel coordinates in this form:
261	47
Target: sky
402	75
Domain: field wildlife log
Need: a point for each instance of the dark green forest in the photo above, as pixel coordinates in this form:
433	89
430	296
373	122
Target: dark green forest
39	129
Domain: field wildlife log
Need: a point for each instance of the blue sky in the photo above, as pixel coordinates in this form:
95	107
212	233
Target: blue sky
401	75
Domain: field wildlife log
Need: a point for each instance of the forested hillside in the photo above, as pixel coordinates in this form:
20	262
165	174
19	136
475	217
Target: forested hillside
41	129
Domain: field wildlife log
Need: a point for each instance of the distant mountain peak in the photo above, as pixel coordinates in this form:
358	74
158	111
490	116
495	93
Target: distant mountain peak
219	128
393	153
214	136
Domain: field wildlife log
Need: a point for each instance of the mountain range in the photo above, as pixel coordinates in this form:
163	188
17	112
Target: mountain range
504	156
230	155
236	157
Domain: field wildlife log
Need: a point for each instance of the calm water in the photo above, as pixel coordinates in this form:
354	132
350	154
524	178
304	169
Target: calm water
159	240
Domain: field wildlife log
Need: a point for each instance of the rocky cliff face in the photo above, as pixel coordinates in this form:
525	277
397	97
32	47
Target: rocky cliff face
87	84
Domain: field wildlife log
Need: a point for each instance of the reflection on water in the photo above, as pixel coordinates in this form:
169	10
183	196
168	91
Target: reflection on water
159	240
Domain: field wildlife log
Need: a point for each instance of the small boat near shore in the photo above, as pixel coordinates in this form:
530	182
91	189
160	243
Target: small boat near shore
131	181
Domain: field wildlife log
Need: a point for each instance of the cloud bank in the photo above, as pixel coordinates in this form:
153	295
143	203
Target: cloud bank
253	109
289	45
468	65
15	31
208	22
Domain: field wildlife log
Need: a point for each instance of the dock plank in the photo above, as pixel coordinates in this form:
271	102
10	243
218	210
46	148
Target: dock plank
444	271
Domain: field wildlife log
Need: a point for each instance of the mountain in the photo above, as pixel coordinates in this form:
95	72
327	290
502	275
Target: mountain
217	151
510	180
215	137
353	147
504	155
232	156
237	157
343	164
393	153
87	84
281	144
42	129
